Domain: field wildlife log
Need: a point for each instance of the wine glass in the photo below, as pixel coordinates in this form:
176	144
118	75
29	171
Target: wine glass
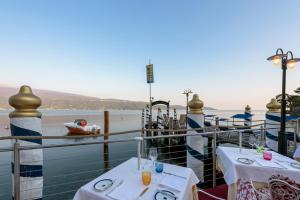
153	155
252	141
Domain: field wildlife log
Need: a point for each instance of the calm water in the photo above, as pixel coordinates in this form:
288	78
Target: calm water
66	169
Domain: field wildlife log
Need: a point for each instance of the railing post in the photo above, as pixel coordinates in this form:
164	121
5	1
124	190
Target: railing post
106	137
217	122
139	157
240	140
295	135
16	170
214	157
142	132
261	134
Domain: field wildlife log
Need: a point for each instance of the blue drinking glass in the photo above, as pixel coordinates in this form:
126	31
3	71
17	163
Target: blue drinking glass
159	167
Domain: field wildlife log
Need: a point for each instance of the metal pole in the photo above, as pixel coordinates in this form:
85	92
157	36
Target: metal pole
187	110
143	133
217	122
214	158
16	171
261	134
282	142
150	118
295	135
139	139
105	144
240	141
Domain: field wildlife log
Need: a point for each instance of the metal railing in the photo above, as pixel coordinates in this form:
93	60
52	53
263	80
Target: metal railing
174	153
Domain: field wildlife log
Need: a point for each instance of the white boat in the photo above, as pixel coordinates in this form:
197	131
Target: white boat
81	127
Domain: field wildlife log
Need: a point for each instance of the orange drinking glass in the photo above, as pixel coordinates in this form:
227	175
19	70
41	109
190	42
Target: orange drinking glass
146	177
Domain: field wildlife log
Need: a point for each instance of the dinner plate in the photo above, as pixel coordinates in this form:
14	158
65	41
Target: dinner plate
245	161
295	165
103	185
164	195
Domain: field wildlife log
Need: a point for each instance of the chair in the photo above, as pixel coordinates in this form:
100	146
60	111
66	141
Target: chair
283	188
262	193
216	193
247	191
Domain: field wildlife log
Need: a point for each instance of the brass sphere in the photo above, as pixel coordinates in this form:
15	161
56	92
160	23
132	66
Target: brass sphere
25	103
273	106
196	105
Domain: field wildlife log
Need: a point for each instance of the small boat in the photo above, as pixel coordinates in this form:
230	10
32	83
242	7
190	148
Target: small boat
81	127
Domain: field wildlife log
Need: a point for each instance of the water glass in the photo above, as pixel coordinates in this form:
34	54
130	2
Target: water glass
252	141
159	167
153	155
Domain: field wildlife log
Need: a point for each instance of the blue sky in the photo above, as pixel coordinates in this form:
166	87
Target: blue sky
218	49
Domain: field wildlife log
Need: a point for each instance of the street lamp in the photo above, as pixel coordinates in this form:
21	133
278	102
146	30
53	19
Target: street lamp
187	93
287	61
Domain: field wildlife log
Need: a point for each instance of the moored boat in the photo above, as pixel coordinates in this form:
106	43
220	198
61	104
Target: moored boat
81	127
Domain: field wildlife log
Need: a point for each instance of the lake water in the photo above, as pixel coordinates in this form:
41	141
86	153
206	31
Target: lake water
66	169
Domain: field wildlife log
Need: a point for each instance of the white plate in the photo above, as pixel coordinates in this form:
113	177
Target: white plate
164	195
103	185
245	161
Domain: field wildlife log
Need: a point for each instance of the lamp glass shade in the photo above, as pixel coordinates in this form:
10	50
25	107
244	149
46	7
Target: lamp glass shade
276	60
291	64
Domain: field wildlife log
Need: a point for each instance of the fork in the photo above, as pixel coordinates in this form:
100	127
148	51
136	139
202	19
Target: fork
121	182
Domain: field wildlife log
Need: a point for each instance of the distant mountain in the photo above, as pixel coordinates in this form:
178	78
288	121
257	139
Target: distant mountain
61	100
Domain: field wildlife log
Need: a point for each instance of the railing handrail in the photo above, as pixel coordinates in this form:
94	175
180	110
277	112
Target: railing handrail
131	131
131	139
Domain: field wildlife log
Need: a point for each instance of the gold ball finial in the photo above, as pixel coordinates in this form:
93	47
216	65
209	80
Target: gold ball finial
273	106
247	108
25	103
196	105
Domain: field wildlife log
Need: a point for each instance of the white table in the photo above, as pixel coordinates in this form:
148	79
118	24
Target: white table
133	186
260	171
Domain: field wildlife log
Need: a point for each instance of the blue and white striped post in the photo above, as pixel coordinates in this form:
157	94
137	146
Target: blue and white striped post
25	120
195	144
248	120
272	124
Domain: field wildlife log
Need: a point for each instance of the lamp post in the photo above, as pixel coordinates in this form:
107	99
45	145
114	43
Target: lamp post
287	61
187	93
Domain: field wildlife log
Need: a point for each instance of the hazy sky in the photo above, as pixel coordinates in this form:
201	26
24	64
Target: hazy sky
100	48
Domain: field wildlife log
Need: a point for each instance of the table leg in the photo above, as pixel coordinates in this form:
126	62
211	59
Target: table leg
195	192
232	191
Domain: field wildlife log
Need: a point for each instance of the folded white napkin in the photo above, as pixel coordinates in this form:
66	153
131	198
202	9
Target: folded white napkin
174	182
268	163
127	191
297	152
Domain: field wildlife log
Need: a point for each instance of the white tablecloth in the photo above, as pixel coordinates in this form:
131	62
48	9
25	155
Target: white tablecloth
259	171
128	172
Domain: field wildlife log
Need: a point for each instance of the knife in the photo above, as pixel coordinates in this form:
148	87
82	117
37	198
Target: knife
143	192
175	175
121	182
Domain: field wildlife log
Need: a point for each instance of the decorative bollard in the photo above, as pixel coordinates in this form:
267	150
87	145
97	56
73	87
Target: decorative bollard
25	120
195	144
248	118
272	124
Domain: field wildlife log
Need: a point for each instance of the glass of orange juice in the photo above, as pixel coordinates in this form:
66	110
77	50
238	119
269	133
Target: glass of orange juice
146	177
